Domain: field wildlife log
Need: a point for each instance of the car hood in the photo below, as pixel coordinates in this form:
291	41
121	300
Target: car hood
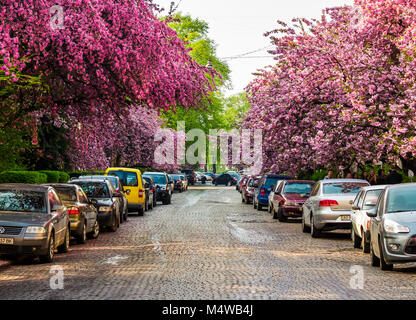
22	219
407	219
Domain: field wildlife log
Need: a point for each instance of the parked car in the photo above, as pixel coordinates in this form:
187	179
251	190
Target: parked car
393	227
82	213
225	179
164	186
329	205
185	182
243	181
366	200
261	197
289	198
105	199
33	221
177	182
190	175
118	187
134	188
272	194
249	189
210	176
152	191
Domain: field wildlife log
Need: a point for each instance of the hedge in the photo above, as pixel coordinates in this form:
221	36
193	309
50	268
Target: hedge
30	177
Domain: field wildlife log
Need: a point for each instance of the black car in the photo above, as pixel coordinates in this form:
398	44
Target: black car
119	189
225	179
150	192
164	186
191	176
105	199
33	221
178	183
82	213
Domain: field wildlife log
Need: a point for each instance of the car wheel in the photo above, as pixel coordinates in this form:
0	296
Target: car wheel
126	214
254	204
315	233
48	257
82	238
375	261
140	211
305	228
383	264
243	200
355	239
114	227
95	231
364	244
63	248
259	207
280	215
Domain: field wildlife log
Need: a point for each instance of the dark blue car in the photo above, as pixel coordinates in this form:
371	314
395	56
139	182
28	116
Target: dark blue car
266	184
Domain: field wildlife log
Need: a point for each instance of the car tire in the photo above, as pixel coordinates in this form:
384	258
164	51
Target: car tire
375	261
305	228
95	231
243	200
364	244
82	238
383	264
48	257
315	233
356	240
63	248
280	215
115	225
140	211
259	207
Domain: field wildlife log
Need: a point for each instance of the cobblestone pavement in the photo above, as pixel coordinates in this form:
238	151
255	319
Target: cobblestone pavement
208	245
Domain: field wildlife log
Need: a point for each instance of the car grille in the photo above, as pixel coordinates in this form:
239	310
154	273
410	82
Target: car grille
411	246
11	231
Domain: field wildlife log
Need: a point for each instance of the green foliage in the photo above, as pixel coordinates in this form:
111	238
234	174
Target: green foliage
235	110
30	177
56	176
63	177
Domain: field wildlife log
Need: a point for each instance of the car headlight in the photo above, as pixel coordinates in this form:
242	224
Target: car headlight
105	209
394	227
35	230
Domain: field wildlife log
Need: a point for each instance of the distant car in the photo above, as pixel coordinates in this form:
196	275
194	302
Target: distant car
210	174
366	200
225	179
243	181
271	196
151	191
289	198
393	227
178	183
249	189
261	198
164	186
118	187
185	181
329	205
105	199
33	221
82	213
190	175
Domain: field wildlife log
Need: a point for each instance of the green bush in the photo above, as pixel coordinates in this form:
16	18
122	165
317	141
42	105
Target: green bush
63	177
30	177
53	176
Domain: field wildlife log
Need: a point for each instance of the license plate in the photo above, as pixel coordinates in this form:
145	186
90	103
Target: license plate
345	218
301	209
6	240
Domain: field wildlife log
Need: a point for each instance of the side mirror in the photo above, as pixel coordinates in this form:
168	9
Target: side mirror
372	213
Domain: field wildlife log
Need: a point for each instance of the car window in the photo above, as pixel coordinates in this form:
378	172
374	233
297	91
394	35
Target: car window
53	199
159	178
82	196
380	207
357	199
297	188
401	199
66	193
22	201
128	178
97	190
343	187
361	199
371	199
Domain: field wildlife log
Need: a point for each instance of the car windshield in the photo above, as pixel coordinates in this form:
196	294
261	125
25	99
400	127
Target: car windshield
402	199
22	201
175	178
66	193
159	178
297	188
97	190
128	178
343	187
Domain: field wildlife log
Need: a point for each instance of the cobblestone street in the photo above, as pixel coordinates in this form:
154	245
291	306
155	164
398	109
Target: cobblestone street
208	245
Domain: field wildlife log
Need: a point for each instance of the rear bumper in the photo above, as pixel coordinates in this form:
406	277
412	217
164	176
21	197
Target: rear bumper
328	219
263	200
76	227
135	206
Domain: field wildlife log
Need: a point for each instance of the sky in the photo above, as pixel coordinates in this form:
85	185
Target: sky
238	27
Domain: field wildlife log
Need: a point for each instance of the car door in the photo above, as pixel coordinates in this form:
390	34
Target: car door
356	213
376	225
60	219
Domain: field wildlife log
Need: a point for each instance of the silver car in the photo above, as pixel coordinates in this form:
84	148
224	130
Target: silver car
366	200
393	227
329	205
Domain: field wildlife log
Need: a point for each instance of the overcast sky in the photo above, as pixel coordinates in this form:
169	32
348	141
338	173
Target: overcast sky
238	27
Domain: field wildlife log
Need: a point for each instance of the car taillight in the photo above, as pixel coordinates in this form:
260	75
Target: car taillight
179	181
262	192
328	203
73	211
368	225
141	192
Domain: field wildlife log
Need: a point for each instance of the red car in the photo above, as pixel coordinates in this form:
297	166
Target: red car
248	189
289	198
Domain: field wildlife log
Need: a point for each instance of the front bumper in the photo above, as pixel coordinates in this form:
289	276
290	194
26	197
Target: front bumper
26	245
406	251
